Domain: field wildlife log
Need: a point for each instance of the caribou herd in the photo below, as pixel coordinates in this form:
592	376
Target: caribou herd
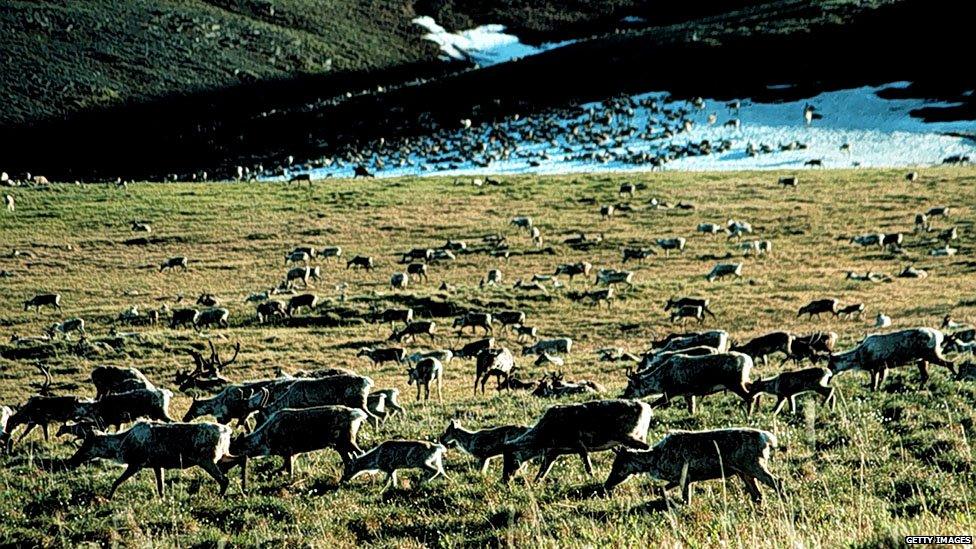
228	423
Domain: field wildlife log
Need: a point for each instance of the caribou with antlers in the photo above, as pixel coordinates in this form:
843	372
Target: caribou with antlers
208	373
42	410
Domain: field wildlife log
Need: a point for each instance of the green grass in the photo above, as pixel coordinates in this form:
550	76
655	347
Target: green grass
883	465
107	53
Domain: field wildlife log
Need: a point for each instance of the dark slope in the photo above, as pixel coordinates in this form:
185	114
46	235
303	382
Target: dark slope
74	55
814	44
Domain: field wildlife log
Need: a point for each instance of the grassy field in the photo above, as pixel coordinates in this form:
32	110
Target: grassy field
108	53
881	466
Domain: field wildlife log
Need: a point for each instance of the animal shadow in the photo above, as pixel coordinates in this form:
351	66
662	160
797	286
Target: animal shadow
654	506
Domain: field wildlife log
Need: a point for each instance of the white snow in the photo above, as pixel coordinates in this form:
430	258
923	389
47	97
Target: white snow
880	132
485	45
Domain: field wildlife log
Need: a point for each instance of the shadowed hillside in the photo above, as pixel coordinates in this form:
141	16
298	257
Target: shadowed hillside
73	56
76	56
177	87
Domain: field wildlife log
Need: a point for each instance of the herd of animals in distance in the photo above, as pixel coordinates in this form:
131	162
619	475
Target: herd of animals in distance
129	421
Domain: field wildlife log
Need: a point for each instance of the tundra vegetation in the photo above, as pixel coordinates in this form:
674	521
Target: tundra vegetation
880	465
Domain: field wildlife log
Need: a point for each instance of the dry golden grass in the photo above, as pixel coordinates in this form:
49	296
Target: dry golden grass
881	466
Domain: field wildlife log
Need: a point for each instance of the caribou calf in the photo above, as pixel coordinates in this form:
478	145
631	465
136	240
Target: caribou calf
851	311
384	404
484	444
789	384
682	458
390	456
424	372
523	332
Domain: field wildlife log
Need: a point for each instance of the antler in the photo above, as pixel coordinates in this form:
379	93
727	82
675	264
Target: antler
198	360
233	359
214	357
207	371
46	387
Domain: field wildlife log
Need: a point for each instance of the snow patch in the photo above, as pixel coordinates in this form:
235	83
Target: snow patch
858	128
485	45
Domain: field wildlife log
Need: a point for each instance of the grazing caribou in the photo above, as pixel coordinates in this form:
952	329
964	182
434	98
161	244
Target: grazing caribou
691	377
813	346
639	254
763	346
718	339
579	429
682	458
819	306
289	432
677	303
414	329
474	321
344	390
174	263
379	356
160	446
493	362
43	300
878	352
